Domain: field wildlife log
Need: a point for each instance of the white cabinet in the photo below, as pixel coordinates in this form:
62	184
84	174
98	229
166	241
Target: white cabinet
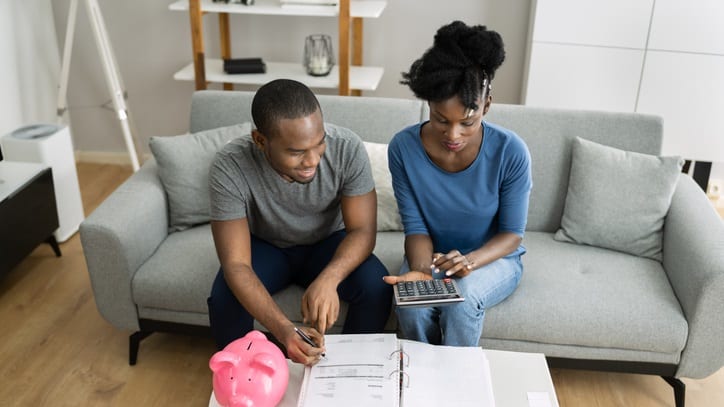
574	76
664	57
349	75
586	54
687	90
683	79
694	26
610	23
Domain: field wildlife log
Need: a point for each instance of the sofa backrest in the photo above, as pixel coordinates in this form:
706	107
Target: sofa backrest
549	134
373	119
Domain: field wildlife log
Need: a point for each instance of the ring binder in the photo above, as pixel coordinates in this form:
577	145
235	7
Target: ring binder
403	356
360	371
402	374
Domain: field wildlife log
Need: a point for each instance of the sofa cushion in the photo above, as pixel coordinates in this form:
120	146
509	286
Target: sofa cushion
178	277
183	166
390	249
618	199
388	217
589	297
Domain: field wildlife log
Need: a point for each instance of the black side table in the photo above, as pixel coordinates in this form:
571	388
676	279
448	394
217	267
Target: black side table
28	213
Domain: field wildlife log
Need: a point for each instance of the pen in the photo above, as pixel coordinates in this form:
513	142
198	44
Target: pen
307	339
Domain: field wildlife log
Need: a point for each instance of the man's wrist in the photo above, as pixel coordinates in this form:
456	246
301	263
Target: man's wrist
331	276
281	329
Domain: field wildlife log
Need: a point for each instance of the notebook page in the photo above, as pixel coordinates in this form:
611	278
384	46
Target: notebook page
446	376
357	372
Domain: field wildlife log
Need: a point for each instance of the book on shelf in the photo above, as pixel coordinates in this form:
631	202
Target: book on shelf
381	370
244	65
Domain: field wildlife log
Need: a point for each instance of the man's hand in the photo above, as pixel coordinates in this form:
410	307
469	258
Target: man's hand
320	304
300	351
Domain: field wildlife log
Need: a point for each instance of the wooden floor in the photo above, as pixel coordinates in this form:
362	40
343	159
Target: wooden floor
56	350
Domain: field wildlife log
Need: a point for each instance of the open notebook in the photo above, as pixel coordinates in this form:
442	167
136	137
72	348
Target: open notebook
380	370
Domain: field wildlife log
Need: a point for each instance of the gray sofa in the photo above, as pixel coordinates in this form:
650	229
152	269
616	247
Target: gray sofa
582	306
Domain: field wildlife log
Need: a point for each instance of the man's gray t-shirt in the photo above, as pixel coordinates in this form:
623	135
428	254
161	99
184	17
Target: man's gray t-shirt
244	185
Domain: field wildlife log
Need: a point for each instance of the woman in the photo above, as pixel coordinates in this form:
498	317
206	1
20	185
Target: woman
462	187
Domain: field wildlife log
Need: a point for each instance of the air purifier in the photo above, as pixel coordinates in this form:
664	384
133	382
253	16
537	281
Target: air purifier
51	145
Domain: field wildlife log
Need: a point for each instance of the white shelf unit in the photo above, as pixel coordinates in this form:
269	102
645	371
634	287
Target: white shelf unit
362	9
349	78
360	77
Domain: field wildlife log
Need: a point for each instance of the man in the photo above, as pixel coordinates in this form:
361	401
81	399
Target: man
294	204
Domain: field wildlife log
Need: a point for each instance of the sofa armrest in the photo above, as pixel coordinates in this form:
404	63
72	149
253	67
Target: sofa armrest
118	237
694	262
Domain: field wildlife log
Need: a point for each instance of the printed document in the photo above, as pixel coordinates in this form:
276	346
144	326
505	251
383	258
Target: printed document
380	370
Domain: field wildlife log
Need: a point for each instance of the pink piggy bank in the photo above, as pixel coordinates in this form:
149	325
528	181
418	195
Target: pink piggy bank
249	372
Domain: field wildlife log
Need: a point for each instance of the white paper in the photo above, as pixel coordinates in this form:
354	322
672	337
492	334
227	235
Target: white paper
446	376
365	370
357	371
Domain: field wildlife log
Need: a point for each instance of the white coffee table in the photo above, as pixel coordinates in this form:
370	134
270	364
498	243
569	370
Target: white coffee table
519	380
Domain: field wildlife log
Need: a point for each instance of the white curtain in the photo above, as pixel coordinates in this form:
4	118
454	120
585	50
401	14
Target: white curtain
29	64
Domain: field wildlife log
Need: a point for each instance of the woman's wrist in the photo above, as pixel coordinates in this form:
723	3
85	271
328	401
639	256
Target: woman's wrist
468	263
473	260
427	269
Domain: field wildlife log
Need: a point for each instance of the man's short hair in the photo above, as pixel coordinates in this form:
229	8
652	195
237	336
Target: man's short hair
281	99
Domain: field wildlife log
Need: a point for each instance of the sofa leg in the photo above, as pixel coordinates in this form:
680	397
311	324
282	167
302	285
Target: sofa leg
679	389
134	341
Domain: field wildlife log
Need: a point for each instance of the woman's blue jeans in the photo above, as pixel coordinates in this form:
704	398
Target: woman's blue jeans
461	324
368	297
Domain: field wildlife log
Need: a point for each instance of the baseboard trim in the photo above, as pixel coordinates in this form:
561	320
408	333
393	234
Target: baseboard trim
106	157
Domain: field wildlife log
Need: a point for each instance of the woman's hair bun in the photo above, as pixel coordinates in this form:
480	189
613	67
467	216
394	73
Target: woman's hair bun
461	59
471	46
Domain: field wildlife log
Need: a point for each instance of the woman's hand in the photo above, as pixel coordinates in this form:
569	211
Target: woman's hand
453	263
409	276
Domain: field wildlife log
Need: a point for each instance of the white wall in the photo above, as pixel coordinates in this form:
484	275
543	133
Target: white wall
152	42
30	64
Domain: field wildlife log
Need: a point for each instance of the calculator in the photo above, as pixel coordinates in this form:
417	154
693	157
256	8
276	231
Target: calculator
424	293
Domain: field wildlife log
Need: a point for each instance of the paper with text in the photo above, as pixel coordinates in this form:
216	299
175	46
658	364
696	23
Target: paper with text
359	370
367	370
